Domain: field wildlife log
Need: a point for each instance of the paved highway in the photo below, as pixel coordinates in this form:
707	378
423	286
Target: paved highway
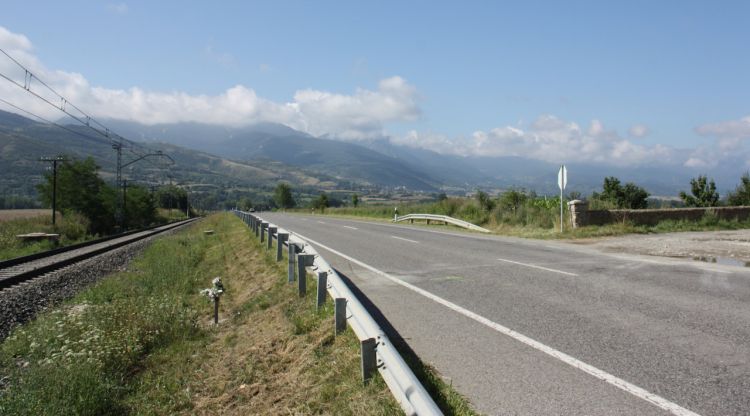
525	327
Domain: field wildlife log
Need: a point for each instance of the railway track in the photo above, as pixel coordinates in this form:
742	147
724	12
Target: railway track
21	269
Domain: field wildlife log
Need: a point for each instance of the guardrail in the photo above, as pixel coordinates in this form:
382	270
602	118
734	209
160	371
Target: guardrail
444	218
376	350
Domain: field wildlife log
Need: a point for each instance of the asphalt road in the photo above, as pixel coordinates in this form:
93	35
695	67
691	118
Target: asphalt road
525	327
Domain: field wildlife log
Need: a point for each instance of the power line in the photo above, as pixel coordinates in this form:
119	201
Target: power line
83	118
85	136
29	76
115	139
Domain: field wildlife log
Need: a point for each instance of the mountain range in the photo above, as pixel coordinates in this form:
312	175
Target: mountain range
381	163
258	156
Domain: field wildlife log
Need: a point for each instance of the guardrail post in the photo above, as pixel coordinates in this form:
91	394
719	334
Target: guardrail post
339	313
291	254
271	232
263	227
303	260
369	359
281	238
322	289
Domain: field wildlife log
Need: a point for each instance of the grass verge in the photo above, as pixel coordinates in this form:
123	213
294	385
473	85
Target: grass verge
71	227
533	230
142	341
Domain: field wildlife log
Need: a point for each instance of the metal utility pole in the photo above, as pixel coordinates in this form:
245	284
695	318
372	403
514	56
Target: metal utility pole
120	209
118	183
54	161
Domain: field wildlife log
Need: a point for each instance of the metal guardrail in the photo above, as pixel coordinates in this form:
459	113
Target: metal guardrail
444	218
377	350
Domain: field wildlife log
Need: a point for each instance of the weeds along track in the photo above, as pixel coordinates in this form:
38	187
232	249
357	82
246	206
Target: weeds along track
44	279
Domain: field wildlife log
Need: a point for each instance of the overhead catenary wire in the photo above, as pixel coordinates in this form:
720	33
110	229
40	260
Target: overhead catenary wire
83	118
68	129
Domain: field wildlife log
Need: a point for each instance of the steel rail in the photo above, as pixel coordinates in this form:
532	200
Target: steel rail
13	272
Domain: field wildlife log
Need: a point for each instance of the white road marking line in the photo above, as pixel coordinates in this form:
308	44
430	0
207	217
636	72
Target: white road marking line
351	228
538	267
321	222
652	398
404	239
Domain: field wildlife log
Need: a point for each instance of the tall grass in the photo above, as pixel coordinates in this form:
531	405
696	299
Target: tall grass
72	228
527	211
526	215
77	359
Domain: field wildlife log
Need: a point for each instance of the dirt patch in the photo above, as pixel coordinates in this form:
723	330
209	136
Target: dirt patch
729	247
14	214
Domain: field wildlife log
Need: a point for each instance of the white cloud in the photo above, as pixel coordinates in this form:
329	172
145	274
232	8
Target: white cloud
548	138
639	131
360	115
739	129
119	8
729	143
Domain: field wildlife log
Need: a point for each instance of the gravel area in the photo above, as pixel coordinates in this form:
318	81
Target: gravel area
724	247
20	303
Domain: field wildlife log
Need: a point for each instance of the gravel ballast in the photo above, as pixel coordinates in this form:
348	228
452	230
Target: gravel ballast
22	302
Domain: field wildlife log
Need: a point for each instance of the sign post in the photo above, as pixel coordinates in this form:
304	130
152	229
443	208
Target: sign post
562	181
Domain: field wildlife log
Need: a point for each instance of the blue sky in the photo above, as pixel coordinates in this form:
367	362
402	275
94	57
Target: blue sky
636	73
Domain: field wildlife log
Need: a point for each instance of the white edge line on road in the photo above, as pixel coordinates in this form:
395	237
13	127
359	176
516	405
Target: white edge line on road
652	398
538	267
351	228
321	222
404	239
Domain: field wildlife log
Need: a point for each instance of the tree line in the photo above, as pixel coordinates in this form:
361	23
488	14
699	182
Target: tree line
80	189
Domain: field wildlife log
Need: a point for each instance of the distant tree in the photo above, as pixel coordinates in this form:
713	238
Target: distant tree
245	204
321	202
741	194
282	195
171	197
355	200
512	199
485	202
442	197
80	189
140	207
630	196
633	197
703	193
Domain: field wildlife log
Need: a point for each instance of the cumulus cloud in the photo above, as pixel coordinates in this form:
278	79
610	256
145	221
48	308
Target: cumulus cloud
638	131
548	138
729	143
737	129
356	116
119	8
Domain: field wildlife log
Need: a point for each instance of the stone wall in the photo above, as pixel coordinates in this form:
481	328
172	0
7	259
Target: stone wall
580	215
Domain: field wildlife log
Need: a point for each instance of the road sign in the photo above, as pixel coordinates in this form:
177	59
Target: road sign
562	182
562	177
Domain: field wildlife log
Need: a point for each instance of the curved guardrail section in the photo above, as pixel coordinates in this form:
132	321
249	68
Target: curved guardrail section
444	218
402	382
